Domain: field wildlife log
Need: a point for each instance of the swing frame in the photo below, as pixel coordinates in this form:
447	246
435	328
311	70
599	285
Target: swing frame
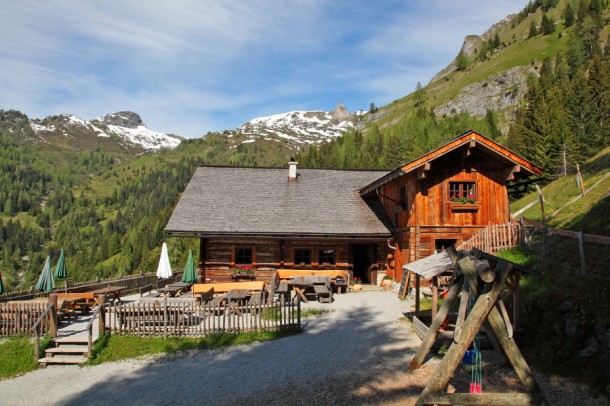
488	311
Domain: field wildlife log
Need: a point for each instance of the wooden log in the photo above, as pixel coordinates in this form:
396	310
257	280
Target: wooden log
430	336
464	299
511	398
512	352
443	373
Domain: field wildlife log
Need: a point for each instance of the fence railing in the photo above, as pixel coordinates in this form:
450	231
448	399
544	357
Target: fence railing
132	283
19	318
494	237
194	319
568	249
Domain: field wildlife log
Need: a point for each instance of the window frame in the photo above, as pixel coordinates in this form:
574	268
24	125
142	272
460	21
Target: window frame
321	253
303	249
237	249
462	190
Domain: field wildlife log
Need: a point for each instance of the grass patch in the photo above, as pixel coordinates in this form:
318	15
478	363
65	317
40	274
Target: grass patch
17	355
115	348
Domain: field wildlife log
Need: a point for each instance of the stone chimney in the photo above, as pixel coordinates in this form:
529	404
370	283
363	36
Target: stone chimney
292	171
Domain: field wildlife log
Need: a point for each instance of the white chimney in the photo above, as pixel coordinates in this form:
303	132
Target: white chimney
292	171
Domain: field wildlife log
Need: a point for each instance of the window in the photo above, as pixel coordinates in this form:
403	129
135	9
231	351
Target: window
462	192
440	245
326	256
403	196
302	256
243	255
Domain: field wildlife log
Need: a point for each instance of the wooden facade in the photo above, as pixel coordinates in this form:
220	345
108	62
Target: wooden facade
419	196
221	256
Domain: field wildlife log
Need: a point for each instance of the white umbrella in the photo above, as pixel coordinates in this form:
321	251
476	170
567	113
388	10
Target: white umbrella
164	270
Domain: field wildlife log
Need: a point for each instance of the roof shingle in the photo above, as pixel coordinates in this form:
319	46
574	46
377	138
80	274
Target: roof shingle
259	201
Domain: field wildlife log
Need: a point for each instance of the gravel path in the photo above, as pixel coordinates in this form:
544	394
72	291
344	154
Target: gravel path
355	355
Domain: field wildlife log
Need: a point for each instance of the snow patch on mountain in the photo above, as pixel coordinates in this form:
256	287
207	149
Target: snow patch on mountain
298	128
127	126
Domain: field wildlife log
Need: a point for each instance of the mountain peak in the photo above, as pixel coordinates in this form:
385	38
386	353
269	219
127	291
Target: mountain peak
126	119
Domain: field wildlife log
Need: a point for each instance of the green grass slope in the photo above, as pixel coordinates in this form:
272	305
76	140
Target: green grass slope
590	214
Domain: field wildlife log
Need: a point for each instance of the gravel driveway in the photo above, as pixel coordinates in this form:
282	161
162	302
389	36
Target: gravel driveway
357	354
362	334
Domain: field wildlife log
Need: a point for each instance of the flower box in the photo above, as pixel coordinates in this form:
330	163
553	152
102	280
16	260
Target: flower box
246	276
464	206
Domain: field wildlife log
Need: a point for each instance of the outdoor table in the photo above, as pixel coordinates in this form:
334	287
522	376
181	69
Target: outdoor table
301	284
175	288
112	292
235	295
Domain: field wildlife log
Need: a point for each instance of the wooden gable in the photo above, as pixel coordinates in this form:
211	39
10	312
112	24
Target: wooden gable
419	196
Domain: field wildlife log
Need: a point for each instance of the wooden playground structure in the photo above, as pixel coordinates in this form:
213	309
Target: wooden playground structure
481	281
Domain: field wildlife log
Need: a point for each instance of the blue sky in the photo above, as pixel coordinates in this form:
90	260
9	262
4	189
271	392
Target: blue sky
189	67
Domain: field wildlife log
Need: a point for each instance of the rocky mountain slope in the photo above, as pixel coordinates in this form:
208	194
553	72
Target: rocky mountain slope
295	129
123	128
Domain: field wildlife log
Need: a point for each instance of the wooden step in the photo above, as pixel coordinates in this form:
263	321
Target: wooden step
62	359
70	340
68	349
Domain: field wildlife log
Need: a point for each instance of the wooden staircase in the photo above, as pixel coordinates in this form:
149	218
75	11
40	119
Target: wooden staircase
66	351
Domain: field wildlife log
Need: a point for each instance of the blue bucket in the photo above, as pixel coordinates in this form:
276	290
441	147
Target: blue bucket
469	357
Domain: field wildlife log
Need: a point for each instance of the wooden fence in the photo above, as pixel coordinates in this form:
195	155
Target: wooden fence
568	249
494	237
194	319
132	283
19	318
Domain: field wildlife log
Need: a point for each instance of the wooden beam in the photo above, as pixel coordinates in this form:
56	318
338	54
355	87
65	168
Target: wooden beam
484	399
421	171
484	304
510	172
430	336
512	352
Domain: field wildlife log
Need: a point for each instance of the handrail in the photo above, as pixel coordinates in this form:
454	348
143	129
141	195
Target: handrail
89	328
34	329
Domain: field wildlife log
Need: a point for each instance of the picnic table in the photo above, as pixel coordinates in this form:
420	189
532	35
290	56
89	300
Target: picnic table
320	285
174	289
112	292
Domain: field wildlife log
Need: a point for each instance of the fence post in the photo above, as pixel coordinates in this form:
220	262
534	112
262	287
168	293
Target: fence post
53	321
545	240
102	315
581	249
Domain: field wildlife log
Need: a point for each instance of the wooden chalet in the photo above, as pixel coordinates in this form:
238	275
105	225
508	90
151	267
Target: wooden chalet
316	219
271	219
445	196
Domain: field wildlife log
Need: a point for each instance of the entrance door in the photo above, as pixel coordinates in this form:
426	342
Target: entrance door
362	259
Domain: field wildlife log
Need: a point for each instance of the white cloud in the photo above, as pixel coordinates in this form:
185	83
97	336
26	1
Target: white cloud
192	66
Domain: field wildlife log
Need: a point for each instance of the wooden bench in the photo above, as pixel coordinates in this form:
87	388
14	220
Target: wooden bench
147	291
210	291
82	302
339	287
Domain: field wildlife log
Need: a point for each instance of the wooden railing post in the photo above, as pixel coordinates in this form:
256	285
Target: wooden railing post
53	321
102	315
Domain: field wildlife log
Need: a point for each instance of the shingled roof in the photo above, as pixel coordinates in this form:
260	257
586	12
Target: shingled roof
232	201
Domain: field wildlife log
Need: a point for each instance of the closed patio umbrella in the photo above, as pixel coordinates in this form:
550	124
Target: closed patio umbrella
46	283
190	273
60	269
164	270
1	285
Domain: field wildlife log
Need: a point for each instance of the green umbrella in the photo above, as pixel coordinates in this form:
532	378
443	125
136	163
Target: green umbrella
190	273
46	282
60	269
